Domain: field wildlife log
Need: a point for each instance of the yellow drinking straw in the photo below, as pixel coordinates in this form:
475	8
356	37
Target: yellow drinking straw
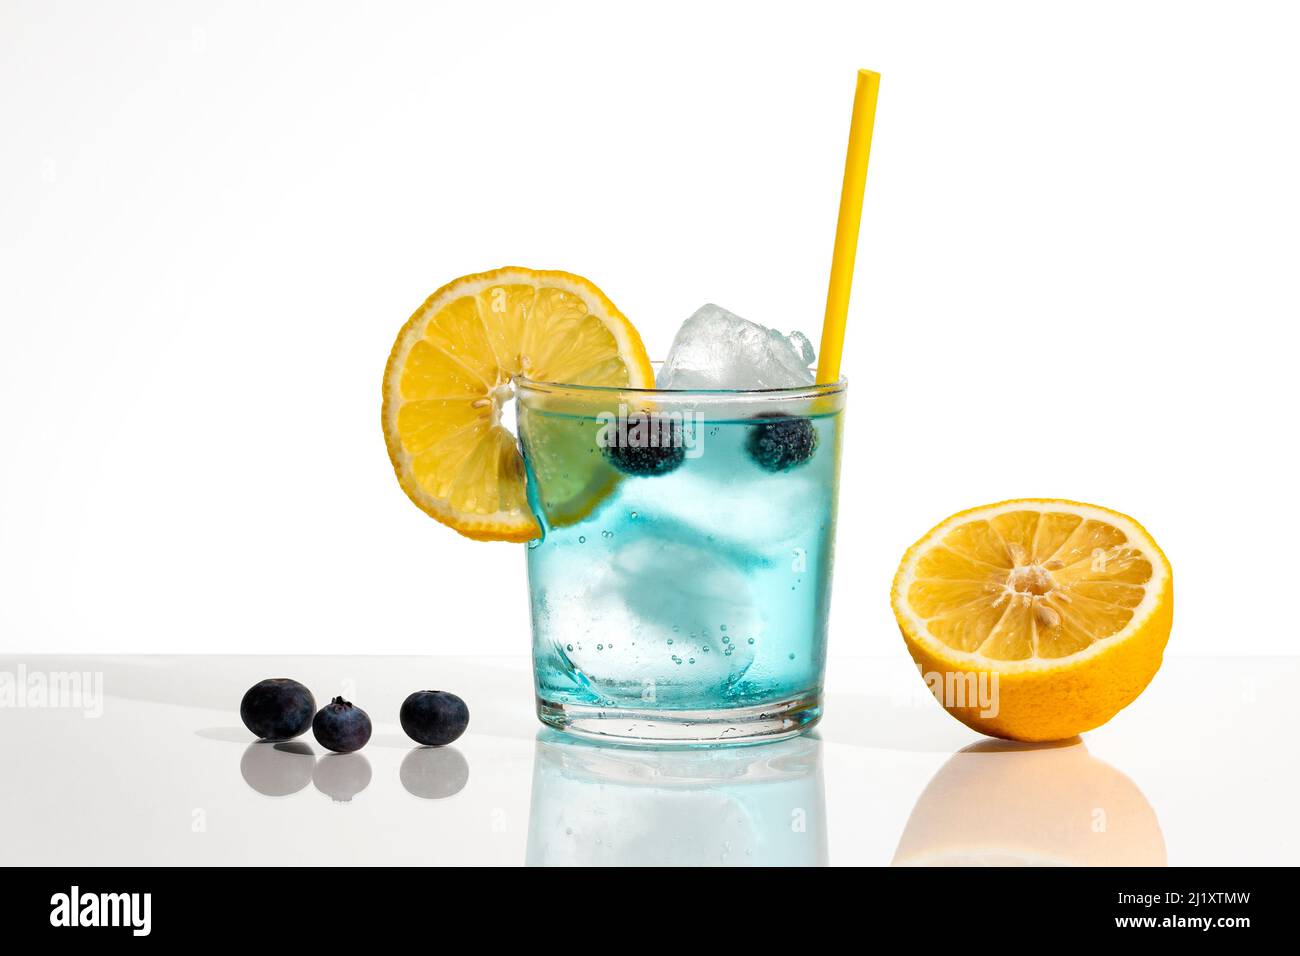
846	230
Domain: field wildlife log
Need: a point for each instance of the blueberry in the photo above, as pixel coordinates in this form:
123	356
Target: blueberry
277	709
434	717
782	442
341	727
645	447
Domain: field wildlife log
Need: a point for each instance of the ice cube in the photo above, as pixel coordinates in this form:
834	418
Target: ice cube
717	349
667	612
731	508
670	582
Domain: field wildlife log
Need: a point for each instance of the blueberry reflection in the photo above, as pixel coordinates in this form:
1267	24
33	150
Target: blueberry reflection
277	769
1000	803
601	805
434	773
341	776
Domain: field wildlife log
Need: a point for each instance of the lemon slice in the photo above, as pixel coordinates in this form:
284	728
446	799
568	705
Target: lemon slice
449	377
568	474
1069	605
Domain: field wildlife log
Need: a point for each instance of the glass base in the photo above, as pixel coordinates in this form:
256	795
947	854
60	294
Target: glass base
730	725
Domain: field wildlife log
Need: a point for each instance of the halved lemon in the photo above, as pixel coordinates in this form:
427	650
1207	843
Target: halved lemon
449	377
1035	619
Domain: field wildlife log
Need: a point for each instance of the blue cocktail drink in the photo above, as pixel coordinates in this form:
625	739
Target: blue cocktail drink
681	584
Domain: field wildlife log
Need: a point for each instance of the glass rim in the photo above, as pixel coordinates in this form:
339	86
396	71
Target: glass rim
793	392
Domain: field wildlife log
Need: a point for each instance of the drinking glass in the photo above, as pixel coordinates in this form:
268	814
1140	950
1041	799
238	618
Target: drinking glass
680	587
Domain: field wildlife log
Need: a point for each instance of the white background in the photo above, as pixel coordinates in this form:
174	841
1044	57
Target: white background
1077	278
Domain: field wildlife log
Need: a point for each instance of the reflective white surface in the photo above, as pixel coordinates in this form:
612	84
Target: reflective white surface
1202	769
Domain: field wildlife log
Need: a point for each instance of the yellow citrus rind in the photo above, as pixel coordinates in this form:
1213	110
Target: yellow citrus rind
1068	604
449	375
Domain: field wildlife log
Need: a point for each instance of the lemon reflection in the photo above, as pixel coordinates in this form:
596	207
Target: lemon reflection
1000	803
601	805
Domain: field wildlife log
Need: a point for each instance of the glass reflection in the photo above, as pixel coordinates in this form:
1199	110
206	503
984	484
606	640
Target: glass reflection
601	805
